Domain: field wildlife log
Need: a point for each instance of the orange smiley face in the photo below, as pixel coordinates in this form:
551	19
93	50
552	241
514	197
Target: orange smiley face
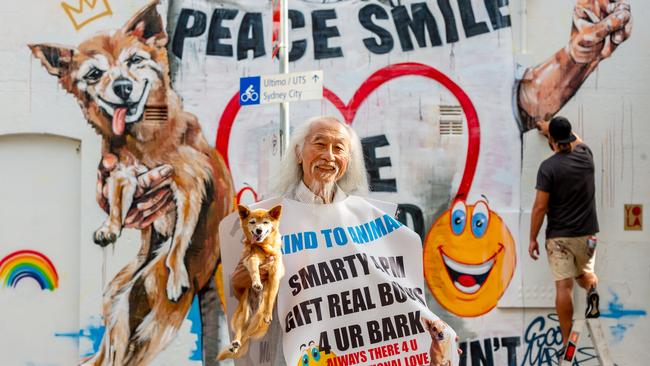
312	355
469	259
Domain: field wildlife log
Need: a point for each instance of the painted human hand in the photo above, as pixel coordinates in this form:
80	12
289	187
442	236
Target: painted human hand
599	26
153	197
533	249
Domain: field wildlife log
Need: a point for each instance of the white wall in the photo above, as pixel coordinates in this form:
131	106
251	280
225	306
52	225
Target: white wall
35	219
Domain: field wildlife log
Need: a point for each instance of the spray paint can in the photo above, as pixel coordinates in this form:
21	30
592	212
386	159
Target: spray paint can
592	241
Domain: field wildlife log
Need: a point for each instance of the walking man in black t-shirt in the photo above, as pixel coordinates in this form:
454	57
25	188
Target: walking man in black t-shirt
566	194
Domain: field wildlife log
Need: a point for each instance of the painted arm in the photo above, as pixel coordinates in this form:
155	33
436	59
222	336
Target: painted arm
599	26
536	219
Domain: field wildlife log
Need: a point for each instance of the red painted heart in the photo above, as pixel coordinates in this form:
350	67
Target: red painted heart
349	111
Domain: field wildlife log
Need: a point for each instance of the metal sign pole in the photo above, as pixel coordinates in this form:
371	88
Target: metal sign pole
284	69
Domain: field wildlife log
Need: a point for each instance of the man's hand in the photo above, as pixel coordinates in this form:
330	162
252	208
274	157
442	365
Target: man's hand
153	197
542	127
533	249
599	26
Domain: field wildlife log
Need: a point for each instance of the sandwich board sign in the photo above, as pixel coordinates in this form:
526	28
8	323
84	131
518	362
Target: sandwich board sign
280	88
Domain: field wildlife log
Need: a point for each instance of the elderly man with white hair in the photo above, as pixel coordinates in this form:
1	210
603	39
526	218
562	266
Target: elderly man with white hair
322	182
327	161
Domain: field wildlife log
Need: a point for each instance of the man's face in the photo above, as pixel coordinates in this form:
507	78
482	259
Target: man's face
325	153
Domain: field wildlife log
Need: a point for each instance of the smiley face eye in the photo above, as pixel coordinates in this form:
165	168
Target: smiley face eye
458	217
93	74
305	360
315	354
480	219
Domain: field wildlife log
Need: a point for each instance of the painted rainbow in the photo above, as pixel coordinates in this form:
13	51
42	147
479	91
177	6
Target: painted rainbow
24	264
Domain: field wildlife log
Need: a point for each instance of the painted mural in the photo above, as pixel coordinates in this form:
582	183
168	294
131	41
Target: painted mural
414	62
28	265
86	12
121	81
430	86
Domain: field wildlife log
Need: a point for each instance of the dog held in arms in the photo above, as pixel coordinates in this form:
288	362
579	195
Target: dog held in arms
121	81
254	312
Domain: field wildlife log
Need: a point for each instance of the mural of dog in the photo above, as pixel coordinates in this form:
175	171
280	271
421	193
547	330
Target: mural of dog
121	81
254	312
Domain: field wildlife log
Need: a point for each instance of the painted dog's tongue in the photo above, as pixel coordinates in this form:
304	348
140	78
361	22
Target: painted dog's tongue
119	121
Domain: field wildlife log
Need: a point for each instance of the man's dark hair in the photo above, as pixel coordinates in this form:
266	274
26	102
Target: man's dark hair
561	119
560	130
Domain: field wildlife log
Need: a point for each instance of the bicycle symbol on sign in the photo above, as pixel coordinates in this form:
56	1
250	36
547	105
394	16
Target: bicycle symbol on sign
250	94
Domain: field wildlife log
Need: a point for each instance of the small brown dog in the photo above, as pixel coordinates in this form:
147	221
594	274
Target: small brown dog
440	342
255	309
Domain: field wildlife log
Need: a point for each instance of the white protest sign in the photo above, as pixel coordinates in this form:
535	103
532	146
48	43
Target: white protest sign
280	88
353	286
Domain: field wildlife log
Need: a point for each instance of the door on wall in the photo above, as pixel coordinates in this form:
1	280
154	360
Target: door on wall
39	249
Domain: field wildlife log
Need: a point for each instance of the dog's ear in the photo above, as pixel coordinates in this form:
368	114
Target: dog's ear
56	59
276	212
428	323
243	211
147	25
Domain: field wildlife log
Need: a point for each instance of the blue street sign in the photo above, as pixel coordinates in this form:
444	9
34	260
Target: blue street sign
249	90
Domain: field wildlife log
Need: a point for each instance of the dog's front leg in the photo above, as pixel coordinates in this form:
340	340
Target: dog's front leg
268	301
188	207
252	264
269	295
122	184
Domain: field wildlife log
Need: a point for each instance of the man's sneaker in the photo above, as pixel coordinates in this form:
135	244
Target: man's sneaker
592	304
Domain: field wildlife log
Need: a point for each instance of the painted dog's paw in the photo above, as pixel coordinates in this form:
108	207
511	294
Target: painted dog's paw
177	283
257	287
107	234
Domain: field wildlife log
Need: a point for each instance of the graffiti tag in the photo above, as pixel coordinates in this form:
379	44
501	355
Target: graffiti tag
87	12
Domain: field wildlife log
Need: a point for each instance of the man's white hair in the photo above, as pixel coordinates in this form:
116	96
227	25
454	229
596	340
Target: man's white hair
287	179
